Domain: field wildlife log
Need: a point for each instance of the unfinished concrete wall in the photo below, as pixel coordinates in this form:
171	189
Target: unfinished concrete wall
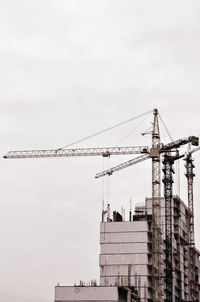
72	293
124	254
126	251
94	294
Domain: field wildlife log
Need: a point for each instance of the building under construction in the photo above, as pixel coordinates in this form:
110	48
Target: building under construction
126	252
126	259
152	257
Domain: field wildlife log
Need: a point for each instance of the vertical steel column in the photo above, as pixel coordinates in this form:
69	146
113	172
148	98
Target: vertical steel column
156	212
168	193
190	175
191	248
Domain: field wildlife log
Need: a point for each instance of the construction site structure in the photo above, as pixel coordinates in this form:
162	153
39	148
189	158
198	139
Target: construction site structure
126	252
157	245
93	293
161	273
126	257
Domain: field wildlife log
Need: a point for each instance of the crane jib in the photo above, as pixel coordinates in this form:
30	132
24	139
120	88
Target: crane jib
105	152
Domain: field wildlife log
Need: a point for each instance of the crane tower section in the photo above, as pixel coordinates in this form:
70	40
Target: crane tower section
156	212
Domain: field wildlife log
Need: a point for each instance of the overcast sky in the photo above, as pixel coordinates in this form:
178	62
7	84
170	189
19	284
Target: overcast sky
70	68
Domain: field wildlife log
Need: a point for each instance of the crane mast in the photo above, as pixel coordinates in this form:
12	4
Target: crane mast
156	212
191	247
190	176
168	170
168	193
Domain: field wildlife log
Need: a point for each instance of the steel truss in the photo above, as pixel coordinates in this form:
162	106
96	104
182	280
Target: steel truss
156	213
191	248
168	171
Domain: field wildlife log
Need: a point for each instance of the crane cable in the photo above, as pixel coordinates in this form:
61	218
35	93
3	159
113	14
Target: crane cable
130	132
108	182
102	184
105	130
177	164
163	134
166	129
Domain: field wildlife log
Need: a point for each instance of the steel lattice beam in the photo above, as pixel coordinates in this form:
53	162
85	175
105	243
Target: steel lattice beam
156	213
191	248
168	182
122	166
105	152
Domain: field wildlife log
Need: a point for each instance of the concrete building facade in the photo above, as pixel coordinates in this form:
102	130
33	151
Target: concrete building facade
124	255
126	258
126	251
94	293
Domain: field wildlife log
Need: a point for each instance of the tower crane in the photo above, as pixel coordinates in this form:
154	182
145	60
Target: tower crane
191	247
146	152
190	176
168	170
153	152
168	180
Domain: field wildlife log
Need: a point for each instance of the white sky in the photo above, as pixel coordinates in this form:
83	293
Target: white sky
68	69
